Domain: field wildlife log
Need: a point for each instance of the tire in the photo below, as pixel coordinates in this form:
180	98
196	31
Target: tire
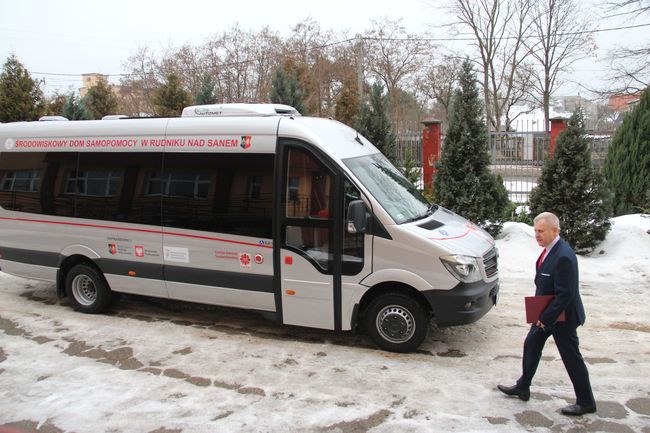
87	289
396	322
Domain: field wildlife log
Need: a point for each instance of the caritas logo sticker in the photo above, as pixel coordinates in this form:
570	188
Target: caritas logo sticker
246	141
245	261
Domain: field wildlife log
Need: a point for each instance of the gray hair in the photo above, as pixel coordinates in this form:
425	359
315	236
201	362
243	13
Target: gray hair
550	219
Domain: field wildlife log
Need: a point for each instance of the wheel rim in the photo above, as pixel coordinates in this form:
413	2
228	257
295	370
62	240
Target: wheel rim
84	290
395	324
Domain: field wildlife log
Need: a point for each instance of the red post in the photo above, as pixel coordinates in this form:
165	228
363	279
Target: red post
558	124
431	147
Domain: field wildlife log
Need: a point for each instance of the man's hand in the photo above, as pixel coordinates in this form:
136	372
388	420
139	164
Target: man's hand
540	325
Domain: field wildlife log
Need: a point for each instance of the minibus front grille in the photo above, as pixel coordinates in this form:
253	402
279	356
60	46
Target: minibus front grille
490	262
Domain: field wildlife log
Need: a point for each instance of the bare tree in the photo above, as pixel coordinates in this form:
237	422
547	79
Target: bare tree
439	81
629	65
187	64
556	42
137	87
395	56
242	63
499	28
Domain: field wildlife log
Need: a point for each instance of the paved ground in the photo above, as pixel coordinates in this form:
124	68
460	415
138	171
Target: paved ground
163	367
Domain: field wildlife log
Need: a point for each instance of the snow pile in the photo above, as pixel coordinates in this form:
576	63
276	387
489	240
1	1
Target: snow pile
625	252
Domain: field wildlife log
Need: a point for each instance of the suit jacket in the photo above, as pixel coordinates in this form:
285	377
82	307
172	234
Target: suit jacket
558	275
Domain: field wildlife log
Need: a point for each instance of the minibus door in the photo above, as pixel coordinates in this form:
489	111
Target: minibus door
308	232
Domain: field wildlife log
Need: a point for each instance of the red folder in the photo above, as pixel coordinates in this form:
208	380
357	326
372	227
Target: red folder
535	306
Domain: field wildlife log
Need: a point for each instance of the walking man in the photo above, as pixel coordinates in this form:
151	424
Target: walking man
557	274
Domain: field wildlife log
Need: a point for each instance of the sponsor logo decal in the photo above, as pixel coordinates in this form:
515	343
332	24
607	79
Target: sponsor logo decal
112	248
245	141
176	254
259	259
264	243
443	232
245	260
9	143
139	251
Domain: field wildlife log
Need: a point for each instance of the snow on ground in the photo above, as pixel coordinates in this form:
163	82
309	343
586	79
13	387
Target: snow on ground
158	366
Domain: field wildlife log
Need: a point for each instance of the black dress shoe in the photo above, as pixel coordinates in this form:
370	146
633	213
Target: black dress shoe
577	410
522	393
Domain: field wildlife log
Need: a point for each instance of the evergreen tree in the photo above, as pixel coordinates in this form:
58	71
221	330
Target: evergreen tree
286	90
75	109
347	103
410	168
374	123
206	93
100	100
170	98
571	189
55	103
627	166
21	97
463	181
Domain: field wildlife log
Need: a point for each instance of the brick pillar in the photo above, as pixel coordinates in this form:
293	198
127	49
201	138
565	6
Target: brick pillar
431	147
558	124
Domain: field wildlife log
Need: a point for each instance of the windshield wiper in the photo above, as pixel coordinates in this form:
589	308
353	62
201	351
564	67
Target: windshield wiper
430	210
417	217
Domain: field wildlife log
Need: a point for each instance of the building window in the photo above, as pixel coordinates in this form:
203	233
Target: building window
188	185
21	180
94	183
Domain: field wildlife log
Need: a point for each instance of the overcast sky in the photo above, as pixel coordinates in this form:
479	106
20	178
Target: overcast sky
75	36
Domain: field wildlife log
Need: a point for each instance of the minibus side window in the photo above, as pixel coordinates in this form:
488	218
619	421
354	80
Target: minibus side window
308	205
108	186
223	193
33	182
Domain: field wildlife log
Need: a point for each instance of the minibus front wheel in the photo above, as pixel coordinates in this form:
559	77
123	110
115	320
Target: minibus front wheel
396	322
87	289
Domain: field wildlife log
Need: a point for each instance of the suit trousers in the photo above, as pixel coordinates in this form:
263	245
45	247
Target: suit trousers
566	340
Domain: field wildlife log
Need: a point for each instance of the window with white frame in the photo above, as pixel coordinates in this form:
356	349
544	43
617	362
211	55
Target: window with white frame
21	180
190	185
97	183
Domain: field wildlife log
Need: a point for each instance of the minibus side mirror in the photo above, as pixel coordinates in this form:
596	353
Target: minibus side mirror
357	222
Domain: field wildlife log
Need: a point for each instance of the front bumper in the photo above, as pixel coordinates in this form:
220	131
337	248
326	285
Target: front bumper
465	303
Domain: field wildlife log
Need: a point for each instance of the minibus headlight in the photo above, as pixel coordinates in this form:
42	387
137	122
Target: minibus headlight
464	268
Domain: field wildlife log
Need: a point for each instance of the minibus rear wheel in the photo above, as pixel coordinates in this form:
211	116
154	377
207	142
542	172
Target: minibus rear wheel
396	322
87	289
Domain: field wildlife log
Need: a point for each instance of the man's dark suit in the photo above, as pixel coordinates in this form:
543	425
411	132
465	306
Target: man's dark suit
558	275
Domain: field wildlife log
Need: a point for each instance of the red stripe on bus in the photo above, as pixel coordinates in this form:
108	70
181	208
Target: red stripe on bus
98	226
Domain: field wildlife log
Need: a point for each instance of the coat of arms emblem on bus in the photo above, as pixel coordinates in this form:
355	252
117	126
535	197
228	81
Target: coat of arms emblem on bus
245	141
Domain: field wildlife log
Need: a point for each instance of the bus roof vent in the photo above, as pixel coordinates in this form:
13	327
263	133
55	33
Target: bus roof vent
53	119
222	110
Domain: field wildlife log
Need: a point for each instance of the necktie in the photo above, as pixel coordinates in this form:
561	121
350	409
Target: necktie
541	258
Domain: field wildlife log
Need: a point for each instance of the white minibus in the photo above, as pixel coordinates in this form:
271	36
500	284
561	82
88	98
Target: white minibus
241	205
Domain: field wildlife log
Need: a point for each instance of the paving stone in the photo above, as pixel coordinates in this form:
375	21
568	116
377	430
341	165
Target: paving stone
639	405
611	409
176	374
533	419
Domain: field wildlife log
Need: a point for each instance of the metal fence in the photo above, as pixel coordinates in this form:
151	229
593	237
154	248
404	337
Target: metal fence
518	157
409	144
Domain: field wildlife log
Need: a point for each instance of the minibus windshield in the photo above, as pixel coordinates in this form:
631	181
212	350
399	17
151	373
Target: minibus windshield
390	188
